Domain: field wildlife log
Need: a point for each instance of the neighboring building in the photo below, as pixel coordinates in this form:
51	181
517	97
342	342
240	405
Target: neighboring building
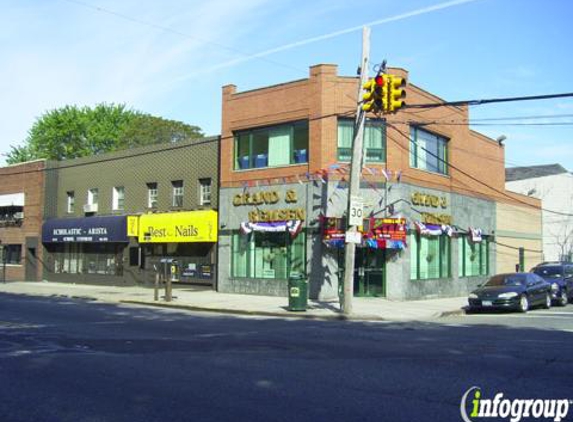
114	217
21	213
553	185
431	192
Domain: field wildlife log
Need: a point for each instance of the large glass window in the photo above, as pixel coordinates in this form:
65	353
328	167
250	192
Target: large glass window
272	146
430	257
374	140
88	258
473	257
428	151
267	255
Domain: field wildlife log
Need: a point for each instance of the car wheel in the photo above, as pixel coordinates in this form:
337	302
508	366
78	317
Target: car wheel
547	303
523	304
564	299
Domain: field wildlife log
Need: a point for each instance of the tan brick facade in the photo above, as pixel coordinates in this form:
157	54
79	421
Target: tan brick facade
477	162
26	178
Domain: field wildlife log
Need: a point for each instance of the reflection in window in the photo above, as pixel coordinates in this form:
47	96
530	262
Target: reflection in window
374	140
428	151
267	255
272	147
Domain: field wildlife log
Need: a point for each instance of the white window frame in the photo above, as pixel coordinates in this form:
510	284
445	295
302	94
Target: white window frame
93	196
152	194
177	192
118	198
205	191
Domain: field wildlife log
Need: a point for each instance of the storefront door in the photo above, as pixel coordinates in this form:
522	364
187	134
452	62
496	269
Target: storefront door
370	272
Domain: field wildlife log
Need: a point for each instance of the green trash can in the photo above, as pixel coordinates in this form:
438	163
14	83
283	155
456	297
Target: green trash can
297	293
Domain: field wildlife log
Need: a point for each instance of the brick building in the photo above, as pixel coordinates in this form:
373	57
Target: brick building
431	191
114	218
21	214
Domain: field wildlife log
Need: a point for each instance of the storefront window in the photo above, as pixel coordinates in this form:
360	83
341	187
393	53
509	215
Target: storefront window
88	258
267	255
272	147
430	257
473	257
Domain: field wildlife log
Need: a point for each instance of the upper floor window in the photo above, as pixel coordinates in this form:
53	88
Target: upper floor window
93	199
428	151
272	146
152	195
93	196
204	191
118	198
70	201
177	193
374	140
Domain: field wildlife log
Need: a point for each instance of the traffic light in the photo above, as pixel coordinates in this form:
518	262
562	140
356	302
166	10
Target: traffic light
396	92
380	93
369	97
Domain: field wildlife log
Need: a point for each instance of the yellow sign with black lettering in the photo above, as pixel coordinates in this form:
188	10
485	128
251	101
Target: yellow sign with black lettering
133	225
178	227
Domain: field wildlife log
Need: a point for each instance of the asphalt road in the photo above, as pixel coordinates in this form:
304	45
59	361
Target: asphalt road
70	360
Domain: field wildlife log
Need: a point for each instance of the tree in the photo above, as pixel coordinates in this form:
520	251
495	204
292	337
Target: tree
71	132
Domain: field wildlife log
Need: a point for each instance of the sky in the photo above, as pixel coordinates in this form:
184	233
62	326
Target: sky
170	58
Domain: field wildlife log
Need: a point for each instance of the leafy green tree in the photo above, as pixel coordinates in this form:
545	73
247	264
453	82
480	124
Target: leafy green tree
71	132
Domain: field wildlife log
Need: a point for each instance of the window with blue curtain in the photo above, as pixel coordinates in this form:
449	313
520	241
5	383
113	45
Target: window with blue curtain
428	151
374	140
273	146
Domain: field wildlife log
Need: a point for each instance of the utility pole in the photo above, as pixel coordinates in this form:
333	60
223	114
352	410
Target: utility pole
354	188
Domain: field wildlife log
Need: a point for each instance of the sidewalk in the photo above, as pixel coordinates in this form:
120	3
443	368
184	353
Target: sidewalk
200	299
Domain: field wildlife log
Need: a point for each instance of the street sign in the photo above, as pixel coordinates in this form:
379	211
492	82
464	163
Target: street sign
356	211
353	237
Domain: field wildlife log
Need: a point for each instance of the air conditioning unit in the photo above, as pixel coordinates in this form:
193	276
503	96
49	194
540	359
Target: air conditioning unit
90	208
19	215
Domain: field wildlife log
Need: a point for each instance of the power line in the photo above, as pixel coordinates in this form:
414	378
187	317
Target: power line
489	101
450	165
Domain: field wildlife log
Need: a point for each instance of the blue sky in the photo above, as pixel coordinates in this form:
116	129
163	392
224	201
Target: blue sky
171	58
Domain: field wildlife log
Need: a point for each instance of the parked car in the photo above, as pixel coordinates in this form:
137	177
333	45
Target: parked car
560	275
511	291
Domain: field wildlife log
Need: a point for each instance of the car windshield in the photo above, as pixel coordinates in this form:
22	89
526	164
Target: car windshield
549	271
507	280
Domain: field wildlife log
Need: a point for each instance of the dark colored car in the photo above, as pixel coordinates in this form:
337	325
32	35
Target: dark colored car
560	276
512	291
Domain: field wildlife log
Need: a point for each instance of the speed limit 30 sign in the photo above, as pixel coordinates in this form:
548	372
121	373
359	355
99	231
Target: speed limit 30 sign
356	211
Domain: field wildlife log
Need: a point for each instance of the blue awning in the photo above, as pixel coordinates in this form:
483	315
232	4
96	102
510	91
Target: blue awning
85	230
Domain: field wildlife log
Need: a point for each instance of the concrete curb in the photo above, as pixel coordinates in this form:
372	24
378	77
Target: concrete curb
456	312
300	315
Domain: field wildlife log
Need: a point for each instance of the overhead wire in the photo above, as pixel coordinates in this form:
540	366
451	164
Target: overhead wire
481	182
